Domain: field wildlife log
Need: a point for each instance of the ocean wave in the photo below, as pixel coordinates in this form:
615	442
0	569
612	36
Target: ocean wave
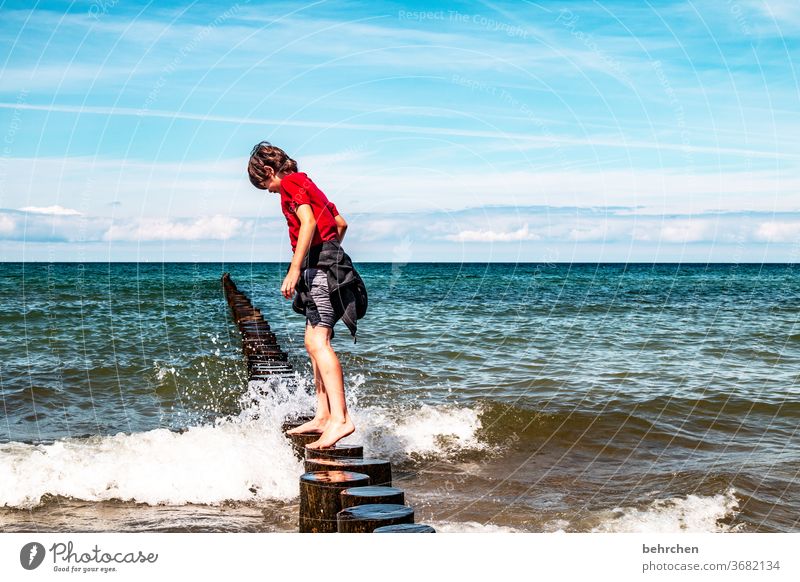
702	424
689	514
243	458
208	464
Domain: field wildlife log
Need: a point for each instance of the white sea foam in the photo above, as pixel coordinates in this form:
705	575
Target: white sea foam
693	513
426	430
162	370
208	464
470	527
245	458
556	526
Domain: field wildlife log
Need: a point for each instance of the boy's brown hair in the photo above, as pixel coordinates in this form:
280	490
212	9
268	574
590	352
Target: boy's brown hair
266	155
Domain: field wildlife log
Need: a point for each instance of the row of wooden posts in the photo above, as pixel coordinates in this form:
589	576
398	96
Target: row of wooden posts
340	491
265	358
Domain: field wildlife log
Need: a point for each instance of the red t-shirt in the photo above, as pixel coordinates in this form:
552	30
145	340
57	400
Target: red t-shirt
297	189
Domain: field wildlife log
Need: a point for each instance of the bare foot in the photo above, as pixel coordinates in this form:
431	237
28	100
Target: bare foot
333	434
313	425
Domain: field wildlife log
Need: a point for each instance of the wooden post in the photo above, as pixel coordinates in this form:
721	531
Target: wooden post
250	318
405	528
365	518
265	359
267	342
255	327
379	471
271	376
267	356
254	350
288	375
246	312
337	451
272	355
257	349
300	440
372	494
265	368
320	501
266	337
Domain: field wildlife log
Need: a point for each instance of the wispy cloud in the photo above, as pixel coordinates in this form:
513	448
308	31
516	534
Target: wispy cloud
681	230
525	139
775	17
33	227
161	229
508	224
54	210
523	233
488	233
358	182
586	124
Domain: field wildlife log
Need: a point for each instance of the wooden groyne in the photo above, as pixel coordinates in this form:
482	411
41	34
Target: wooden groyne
341	491
265	358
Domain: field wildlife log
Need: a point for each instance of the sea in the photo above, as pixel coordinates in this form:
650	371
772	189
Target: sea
509	397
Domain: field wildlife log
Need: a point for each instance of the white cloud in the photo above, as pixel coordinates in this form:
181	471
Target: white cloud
586	226
52	210
773	231
7	224
523	233
682	230
600	230
216	227
67	75
655	192
781	14
363	186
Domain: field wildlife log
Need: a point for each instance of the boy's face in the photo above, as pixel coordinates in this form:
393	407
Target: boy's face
273	183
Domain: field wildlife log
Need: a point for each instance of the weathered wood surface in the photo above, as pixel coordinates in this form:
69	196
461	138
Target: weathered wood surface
405	528
320	500
379	470
372	494
300	440
338	451
365	518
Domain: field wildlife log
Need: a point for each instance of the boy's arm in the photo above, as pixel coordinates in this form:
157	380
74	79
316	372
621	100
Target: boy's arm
304	237
341	223
341	226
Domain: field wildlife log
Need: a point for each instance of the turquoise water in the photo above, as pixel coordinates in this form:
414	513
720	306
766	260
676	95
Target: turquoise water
584	397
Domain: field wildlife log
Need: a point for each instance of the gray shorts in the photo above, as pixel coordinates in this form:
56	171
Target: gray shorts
317	282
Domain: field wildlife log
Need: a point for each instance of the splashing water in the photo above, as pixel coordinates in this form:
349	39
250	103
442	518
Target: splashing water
244	457
693	514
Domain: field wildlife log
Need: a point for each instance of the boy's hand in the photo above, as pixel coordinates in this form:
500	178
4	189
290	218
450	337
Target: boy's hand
290	282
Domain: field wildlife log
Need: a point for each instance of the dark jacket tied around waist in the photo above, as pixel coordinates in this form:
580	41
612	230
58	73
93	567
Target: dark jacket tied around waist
347	290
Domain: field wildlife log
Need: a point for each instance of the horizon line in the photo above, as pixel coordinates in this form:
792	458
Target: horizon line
544	262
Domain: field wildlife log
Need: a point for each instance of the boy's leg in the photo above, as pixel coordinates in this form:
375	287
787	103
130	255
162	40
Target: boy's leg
339	425
320	420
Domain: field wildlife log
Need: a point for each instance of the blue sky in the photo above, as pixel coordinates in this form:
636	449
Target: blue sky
482	131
